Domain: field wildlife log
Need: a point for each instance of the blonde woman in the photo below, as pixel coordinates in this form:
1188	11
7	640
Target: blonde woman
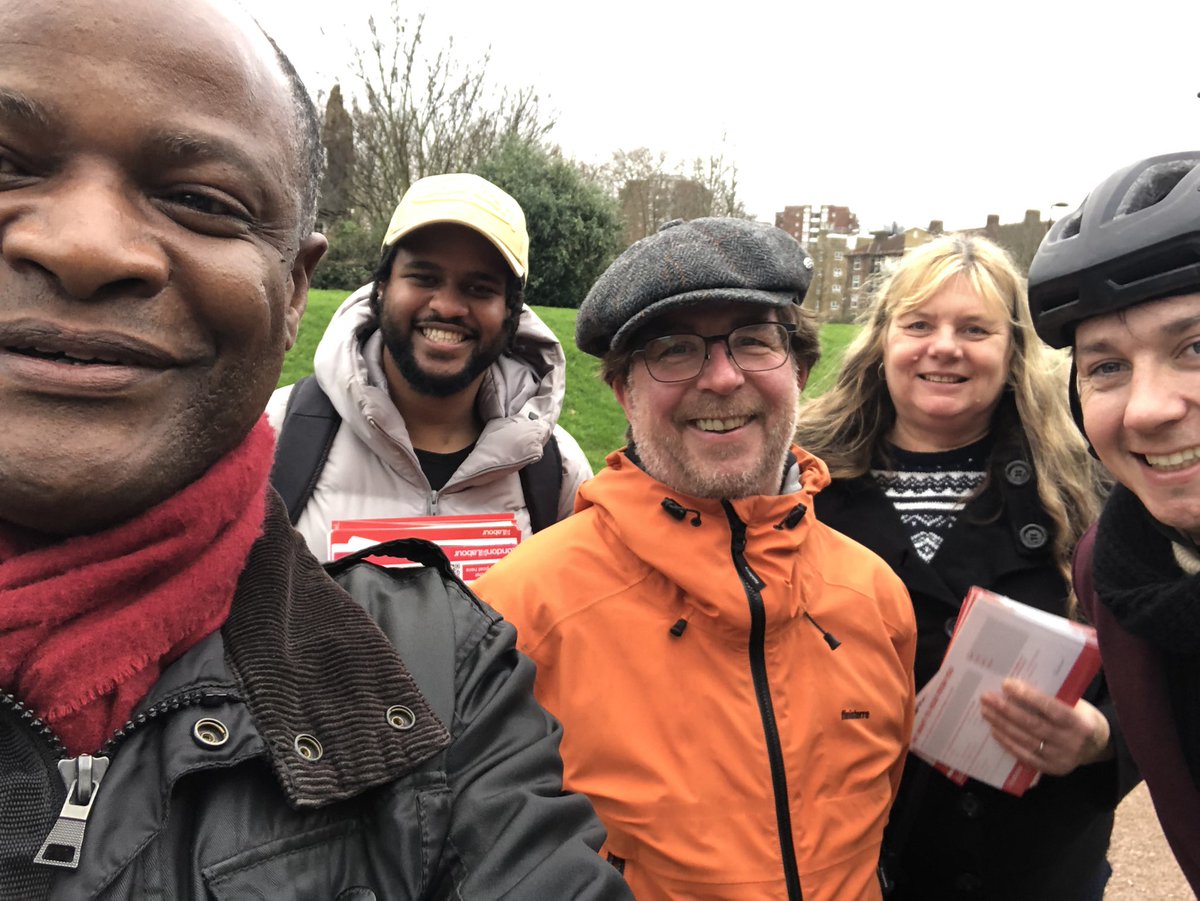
955	459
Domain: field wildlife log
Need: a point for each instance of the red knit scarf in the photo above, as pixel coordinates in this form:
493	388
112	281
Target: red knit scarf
88	623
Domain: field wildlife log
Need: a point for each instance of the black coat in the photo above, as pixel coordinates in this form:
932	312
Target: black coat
402	803
974	841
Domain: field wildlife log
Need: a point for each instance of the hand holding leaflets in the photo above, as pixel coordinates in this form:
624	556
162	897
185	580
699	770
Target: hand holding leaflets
998	639
1042	731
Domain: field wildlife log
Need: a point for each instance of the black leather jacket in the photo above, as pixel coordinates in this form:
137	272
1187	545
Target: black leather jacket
295	755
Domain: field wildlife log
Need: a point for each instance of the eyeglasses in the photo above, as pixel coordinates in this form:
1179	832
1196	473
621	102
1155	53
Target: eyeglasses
753	348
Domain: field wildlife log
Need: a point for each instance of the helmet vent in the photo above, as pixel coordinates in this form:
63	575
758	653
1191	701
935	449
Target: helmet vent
1070	228
1178	259
1153	185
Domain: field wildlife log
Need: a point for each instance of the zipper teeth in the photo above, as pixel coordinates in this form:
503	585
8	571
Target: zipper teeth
34	722
758	670
783	813
167	705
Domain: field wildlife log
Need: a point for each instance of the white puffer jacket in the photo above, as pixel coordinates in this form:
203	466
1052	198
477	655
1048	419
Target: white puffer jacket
372	470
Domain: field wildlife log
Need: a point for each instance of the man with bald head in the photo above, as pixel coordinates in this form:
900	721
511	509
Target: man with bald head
189	706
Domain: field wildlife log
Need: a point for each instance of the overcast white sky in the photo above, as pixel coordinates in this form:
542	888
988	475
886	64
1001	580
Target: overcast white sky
907	111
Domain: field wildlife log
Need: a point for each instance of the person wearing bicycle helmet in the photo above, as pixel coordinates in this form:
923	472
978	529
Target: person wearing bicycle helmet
1118	282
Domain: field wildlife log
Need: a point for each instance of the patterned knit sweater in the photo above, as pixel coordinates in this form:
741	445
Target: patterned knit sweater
929	489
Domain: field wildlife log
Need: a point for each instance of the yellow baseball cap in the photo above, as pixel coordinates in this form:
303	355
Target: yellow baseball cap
466	200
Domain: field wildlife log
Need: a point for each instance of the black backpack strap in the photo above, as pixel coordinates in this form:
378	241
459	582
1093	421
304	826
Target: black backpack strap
541	483
429	652
418	550
302	447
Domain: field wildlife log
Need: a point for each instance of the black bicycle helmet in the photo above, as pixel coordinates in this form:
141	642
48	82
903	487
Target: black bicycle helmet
1135	238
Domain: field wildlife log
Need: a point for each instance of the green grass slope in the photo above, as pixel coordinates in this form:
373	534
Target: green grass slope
834	338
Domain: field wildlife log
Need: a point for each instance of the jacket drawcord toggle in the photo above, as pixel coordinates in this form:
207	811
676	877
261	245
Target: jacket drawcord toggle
680	625
679	511
793	518
830	638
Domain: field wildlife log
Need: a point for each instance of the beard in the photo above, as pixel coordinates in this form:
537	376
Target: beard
399	345
665	455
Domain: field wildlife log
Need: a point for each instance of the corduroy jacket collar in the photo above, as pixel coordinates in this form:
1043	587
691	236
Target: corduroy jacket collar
310	662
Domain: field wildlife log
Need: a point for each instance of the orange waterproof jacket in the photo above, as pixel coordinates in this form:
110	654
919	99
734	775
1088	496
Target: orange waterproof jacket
730	751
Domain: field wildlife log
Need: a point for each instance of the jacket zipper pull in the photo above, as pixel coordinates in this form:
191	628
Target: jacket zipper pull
738	528
82	776
749	576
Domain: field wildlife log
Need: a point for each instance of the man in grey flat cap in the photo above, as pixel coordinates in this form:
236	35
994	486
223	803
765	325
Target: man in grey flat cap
734	678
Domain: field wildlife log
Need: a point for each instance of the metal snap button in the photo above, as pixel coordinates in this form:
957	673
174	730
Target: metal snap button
210	733
970	805
968	883
308	747
400	717
1018	472
949	624
1033	536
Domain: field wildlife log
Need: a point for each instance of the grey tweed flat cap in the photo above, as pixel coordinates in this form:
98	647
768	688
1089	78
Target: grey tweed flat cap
687	263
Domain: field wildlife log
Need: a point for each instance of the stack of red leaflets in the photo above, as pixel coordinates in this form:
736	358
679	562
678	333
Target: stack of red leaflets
472	543
997	638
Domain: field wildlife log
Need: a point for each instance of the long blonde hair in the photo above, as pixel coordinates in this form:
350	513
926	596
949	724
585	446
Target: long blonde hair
848	425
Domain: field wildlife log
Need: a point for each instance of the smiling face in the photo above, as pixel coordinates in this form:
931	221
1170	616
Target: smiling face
443	310
945	363
150	273
724	433
1139	386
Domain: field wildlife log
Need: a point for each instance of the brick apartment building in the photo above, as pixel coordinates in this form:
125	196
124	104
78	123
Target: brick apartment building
805	223
846	264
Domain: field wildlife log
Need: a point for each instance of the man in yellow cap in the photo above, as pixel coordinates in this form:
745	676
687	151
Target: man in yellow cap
446	386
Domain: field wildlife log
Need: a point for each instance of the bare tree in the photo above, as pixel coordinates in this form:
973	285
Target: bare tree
651	191
417	114
642	185
720	178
